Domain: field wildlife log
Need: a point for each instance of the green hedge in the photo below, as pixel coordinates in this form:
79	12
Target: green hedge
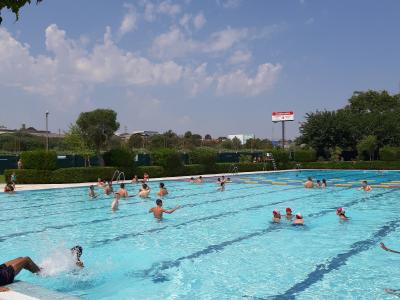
389	153
194	169
305	156
169	159
75	175
153	171
26	176
362	165
280	156
39	160
204	156
118	158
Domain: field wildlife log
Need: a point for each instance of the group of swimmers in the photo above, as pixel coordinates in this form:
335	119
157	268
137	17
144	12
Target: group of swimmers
309	184
298	218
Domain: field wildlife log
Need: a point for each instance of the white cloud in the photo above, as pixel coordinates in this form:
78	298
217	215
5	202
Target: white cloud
240	57
185	21
151	10
239	82
197	80
176	43
71	71
229	3
129	21
199	21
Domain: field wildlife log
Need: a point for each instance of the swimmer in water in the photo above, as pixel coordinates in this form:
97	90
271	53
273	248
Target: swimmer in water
115	203
365	186
9	188
100	182
199	180
289	215
135	179
276	216
108	188
192	180
92	194
395	292
323	185
146	177
163	190
158	210
309	184
122	191
222	186
77	253
319	184
11	268
144	191
228	180
299	220
341	214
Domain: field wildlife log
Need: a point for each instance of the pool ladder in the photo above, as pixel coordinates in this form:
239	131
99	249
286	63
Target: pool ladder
272	159
233	169
117	175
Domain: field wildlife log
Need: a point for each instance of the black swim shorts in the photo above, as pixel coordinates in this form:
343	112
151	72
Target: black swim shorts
7	274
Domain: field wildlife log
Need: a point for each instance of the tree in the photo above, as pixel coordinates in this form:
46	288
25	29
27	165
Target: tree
367	144
74	142
208	137
258	144
136	141
236	143
97	127
14	6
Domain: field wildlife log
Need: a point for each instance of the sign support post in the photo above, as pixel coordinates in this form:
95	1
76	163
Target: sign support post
282	117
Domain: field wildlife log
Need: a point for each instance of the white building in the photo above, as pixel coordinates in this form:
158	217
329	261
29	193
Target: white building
242	137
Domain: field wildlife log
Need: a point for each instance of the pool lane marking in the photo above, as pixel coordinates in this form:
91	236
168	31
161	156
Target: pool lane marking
155	271
338	261
16	234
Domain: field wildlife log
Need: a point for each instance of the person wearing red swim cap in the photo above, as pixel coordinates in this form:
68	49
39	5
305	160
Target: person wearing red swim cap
289	215
299	220
276	216
341	214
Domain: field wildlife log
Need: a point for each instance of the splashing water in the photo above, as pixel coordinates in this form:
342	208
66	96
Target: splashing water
59	260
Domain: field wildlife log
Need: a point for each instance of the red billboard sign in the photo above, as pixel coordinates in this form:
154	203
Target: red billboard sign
278	116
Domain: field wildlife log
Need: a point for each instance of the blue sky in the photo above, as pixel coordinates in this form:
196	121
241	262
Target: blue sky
209	66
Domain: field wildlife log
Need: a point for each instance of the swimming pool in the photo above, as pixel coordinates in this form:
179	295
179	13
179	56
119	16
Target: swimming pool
219	245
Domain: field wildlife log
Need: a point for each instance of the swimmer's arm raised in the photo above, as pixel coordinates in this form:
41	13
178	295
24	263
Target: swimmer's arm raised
387	249
170	211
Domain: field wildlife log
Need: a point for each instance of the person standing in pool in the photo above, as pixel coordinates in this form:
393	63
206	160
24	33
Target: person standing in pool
92	194
158	210
365	186
289	215
122	191
309	184
222	186
108	189
323	185
276	216
144	191
11	268
299	220
163	190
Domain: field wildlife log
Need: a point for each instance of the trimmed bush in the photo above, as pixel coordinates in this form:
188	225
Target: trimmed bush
204	156
305	155
119	157
39	160
356	165
25	176
280	156
75	175
169	159
389	153
153	171
193	169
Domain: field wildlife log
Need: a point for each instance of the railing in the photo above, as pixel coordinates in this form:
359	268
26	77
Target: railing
233	170
117	175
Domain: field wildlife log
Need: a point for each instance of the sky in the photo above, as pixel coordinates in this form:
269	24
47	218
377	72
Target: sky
214	67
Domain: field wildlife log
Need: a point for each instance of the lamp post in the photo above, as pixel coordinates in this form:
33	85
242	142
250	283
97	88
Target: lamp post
47	130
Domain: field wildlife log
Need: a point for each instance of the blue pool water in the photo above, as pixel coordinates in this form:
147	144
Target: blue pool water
219	245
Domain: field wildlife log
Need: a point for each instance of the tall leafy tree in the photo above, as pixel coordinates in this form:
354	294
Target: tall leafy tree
14	6
74	142
97	127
